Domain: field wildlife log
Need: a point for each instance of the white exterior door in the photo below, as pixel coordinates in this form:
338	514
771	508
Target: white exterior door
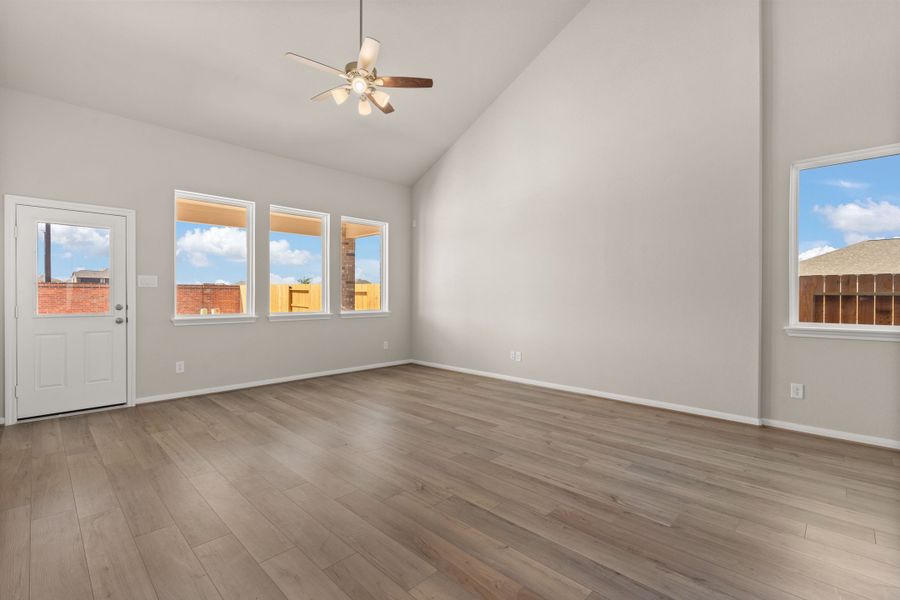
70	310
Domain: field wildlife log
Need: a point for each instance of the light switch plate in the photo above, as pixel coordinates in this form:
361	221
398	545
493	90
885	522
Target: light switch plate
149	281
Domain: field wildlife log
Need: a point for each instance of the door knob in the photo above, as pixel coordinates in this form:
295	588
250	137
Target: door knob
119	307
119	320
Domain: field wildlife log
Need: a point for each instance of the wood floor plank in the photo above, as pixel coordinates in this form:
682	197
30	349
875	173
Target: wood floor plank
174	569
51	487
142	506
58	566
195	518
248	525
15	538
90	484
360	580
404	567
46	438
441	587
15	477
317	542
114	562
300	579
236	575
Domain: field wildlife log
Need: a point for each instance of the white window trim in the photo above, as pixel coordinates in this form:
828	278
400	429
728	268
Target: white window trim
250	315
385	307
883	333
325	313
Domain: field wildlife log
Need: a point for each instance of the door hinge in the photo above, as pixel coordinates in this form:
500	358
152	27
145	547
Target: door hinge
17	311
15	231
16	391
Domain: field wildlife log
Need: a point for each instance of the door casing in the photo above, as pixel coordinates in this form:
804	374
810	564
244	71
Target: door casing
11	203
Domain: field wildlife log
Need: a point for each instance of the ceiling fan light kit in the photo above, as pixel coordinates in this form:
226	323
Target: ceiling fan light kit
361	77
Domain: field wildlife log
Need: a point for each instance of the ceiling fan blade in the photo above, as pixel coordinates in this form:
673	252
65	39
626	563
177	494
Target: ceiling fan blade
381	101
365	107
404	82
368	54
315	64
339	94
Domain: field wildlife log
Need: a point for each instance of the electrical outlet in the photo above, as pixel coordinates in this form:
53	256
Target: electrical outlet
386	345
798	391
518	356
179	366
512	355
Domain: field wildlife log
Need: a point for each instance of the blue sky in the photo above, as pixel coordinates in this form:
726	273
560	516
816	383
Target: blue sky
73	248
848	203
216	254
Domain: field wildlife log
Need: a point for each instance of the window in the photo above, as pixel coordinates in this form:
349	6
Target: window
298	262
363	266
845	264
213	259
73	269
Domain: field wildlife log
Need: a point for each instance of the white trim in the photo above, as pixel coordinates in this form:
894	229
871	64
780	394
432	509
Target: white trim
252	384
385	306
877	333
227	319
703	412
250	207
858	438
310	316
11	203
825	330
325	286
358	314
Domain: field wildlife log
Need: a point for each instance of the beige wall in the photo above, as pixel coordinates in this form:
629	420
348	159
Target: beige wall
59	151
832	84
602	216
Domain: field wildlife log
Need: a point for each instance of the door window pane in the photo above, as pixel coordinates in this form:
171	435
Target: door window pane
362	265
211	257
297	259
72	269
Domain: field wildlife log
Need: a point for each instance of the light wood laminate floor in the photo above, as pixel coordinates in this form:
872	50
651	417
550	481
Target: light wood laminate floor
411	483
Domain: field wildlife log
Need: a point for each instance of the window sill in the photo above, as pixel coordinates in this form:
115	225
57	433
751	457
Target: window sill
365	313
878	333
299	316
213	320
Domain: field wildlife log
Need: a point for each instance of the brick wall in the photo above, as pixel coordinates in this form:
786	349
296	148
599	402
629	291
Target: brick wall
71	298
192	298
348	273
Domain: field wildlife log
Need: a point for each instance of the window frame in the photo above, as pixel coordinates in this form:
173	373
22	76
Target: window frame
247	317
385	307
796	328
325	313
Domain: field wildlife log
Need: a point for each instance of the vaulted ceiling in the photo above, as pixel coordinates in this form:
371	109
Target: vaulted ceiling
217	69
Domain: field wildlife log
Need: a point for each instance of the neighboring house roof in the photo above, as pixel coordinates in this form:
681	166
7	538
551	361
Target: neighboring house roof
871	257
88	274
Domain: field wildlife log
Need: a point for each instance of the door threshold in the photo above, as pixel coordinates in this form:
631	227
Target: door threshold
71	413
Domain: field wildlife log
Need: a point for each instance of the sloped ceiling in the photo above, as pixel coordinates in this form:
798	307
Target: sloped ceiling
216	69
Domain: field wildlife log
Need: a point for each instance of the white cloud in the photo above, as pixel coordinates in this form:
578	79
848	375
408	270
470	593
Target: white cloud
222	282
847	185
368	269
81	240
817	251
227	242
275	279
280	253
862	220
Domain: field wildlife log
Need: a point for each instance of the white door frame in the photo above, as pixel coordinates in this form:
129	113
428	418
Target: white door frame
11	203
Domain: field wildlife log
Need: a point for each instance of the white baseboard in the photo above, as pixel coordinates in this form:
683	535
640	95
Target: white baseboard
859	438
252	384
703	412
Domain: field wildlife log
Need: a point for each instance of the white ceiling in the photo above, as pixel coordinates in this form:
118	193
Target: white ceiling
216	69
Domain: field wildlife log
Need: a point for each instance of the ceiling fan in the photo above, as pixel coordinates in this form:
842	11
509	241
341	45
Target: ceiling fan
361	78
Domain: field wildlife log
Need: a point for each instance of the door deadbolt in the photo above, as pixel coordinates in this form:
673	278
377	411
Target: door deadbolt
119	307
120	320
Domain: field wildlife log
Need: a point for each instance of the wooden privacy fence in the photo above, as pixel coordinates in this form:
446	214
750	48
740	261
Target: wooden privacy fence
307	297
850	299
